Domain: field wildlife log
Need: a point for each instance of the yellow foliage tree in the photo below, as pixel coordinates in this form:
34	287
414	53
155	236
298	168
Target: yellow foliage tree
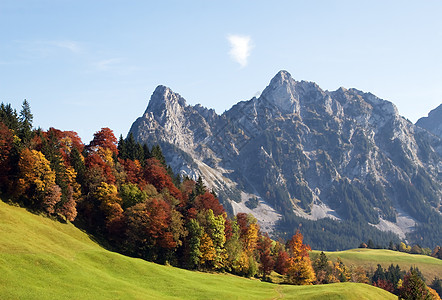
110	201
207	250
301	271
35	170
37	181
341	271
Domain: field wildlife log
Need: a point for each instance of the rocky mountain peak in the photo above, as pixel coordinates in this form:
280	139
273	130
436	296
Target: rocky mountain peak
433	122
282	93
164	101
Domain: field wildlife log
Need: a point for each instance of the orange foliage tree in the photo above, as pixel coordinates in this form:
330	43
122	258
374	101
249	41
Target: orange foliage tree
300	269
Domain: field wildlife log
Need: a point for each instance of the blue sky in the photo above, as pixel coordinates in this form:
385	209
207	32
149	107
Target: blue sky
84	65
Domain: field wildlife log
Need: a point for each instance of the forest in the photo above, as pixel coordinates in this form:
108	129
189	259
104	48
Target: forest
125	196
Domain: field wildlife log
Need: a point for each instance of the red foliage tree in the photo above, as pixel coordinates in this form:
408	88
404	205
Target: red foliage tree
148	227
187	188
192	213
156	174
265	255
93	160
282	262
384	284
228	229
106	139
241	219
6	140
208	201
134	171
66	141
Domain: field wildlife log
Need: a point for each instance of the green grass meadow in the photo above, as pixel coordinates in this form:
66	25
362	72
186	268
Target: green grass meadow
369	258
44	259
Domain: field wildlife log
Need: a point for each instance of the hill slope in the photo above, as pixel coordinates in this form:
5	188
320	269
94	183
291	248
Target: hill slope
44	259
369	258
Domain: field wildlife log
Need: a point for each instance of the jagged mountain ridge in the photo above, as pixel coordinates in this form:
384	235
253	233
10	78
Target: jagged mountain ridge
300	150
433	122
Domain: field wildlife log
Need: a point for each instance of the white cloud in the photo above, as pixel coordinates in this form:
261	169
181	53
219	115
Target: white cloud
241	46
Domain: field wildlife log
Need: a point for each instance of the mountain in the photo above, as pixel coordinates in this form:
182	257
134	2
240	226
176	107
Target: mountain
340	163
433	122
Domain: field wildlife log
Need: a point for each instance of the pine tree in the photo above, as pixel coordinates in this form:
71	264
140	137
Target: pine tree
9	117
200	188
25	126
122	148
158	154
146	152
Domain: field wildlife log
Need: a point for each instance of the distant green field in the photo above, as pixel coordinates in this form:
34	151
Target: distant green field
44	259
369	258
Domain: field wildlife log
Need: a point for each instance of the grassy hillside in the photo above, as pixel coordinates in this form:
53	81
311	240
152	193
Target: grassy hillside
369	258
44	259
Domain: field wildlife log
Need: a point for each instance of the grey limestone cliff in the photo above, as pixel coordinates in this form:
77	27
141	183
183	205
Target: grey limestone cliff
303	151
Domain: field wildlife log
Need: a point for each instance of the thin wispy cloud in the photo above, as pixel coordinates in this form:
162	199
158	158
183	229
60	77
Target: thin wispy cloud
241	46
45	48
106	64
118	65
66	44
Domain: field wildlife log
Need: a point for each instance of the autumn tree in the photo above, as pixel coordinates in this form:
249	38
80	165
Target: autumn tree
359	275
36	177
413	287
51	198
68	208
105	139
282	262
300	269
267	262
148	232
6	142
249	234
134	172
207	201
156	174
207	252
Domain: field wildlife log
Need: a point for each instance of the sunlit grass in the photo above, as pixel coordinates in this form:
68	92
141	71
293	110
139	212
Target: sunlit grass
369	258
44	259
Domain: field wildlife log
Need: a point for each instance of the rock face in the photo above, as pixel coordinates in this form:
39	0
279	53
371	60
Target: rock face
433	122
300	151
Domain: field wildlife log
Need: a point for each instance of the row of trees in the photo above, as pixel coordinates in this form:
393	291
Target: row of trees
124	194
